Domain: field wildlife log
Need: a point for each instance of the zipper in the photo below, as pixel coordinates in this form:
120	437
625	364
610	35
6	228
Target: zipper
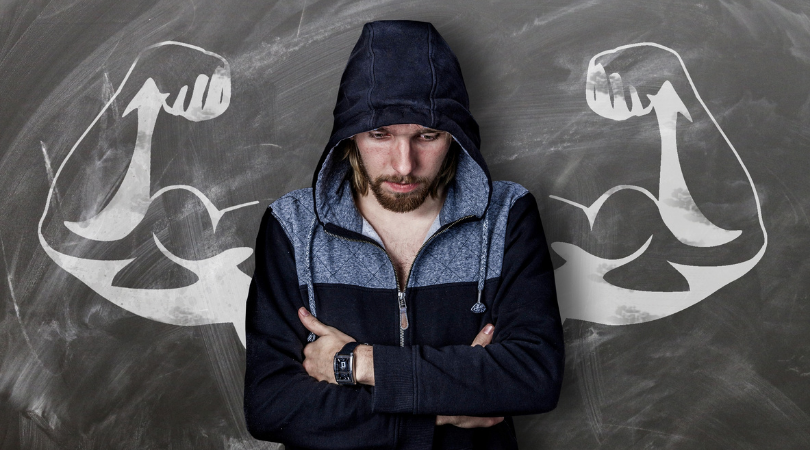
403	306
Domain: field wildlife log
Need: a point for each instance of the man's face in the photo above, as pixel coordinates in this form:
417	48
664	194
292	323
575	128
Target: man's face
401	163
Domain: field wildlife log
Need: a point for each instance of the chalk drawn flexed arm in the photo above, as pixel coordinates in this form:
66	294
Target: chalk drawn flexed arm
583	291
221	287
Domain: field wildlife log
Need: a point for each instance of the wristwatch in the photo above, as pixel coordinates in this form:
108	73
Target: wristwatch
344	364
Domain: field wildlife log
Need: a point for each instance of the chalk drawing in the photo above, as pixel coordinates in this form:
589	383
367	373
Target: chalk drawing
583	292
218	295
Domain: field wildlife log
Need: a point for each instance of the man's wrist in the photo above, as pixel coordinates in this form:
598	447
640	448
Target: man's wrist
364	364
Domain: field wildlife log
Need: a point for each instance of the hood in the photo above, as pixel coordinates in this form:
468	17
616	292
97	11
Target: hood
402	72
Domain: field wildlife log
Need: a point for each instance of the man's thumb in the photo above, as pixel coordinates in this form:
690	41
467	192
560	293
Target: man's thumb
311	323
484	336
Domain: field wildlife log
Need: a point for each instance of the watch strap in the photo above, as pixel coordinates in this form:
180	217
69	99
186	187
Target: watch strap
348	349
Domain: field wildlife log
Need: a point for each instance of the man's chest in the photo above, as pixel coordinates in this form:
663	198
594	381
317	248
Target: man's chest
402	242
403	250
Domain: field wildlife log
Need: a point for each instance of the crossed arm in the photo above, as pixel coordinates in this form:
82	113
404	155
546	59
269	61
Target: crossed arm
319	354
519	372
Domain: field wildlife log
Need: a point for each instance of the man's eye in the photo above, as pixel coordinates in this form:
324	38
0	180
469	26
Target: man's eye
377	135
430	137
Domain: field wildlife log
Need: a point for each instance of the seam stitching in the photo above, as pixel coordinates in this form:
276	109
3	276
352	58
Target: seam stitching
433	77
371	74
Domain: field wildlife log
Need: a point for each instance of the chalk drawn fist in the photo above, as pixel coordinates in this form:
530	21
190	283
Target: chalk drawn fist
165	71
210	94
636	74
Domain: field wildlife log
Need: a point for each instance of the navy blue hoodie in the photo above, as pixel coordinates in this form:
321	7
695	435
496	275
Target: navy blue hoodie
312	250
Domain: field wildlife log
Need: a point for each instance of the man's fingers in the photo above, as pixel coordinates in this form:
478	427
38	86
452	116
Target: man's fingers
468	421
484	336
485	422
311	323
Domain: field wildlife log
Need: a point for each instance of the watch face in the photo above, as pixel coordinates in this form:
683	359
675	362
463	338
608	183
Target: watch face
343	369
343	377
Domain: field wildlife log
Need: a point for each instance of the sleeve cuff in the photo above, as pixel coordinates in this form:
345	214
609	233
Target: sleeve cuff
416	432
394	384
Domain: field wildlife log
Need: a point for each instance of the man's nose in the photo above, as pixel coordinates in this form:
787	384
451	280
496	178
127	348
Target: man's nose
403	156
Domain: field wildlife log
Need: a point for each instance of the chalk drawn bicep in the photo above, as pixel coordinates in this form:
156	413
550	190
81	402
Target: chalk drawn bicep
157	78
612	76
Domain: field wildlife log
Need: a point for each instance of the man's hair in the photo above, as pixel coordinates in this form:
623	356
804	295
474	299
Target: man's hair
360	183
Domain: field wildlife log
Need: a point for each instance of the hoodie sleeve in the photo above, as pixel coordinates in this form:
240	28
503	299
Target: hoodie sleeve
282	402
520	372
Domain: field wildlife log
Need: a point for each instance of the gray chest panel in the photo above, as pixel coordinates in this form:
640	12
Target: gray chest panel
453	255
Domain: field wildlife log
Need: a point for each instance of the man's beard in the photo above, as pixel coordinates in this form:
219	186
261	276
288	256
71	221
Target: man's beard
400	202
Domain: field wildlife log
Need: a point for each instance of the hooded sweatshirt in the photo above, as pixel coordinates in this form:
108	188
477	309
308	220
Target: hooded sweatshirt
484	261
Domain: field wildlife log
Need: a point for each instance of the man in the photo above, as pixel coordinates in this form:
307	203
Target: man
403	244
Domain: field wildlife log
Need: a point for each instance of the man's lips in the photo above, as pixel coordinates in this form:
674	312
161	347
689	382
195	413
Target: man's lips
401	188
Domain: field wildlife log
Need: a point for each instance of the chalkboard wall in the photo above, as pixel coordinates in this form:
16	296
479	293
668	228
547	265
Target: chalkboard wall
676	211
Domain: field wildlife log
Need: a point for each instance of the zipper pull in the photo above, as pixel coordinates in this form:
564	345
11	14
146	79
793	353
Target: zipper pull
403	311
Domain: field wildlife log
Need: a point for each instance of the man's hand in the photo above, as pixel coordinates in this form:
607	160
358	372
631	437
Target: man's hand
319	355
483	339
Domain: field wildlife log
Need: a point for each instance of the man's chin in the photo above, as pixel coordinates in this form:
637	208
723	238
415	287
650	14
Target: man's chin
401	203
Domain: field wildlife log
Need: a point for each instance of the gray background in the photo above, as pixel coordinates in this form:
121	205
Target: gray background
78	372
